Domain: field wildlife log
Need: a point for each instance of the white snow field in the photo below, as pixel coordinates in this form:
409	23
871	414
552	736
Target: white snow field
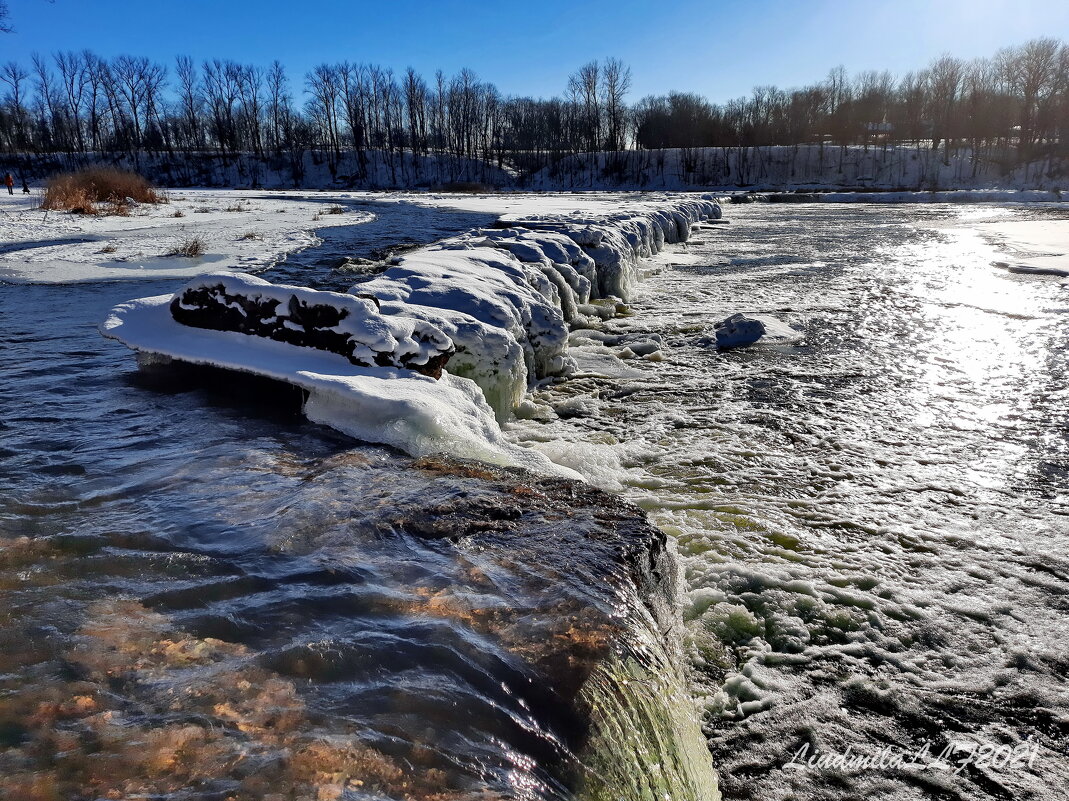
238	230
503	297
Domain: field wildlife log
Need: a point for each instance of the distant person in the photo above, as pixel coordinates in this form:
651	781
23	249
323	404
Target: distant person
25	186
9	179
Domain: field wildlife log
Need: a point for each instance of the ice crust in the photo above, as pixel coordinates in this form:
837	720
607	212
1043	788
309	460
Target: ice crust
504	298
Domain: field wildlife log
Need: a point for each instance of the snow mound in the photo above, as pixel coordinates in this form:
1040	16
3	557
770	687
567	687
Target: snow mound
409	411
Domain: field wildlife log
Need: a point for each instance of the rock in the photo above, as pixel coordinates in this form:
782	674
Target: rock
738	330
349	325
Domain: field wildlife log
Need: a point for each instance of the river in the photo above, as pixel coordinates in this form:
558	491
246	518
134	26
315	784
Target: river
871	528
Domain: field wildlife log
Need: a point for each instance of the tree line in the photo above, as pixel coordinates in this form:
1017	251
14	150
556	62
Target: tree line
1017	99
1015	102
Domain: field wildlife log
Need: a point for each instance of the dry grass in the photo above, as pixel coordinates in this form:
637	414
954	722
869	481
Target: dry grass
178	213
108	249
236	207
335	210
98	190
191	248
249	235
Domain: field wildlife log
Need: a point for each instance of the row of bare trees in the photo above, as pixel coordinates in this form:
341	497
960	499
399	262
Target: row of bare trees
79	103
1017	99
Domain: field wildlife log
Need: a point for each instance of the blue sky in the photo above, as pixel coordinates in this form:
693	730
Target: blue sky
719	48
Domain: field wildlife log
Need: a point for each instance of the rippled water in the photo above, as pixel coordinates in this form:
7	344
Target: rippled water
204	596
874	521
203	590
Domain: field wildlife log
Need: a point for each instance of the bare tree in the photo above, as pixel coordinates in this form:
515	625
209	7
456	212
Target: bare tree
944	88
15	77
615	84
279	104
190	102
583	87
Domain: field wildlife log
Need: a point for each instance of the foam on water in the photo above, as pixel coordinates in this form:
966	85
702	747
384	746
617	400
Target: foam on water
872	519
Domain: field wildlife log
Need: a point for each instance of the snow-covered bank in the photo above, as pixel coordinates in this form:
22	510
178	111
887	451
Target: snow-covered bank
952	196
236	230
346	170
501	298
802	167
949	196
812	167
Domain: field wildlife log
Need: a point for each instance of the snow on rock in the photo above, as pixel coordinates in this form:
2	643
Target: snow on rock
346	324
507	295
407	410
740	330
496	303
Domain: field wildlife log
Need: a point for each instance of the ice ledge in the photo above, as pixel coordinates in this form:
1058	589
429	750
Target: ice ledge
394	407
502	299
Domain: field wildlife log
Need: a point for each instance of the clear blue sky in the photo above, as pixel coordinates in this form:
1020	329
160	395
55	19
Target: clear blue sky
719	48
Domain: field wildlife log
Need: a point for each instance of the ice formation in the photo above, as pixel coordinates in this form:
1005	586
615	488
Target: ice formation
507	295
497	303
395	407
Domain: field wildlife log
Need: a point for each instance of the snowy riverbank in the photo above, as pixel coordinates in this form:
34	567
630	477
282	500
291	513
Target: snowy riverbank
237	231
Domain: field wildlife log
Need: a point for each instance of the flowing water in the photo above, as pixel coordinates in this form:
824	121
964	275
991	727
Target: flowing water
205	596
874	522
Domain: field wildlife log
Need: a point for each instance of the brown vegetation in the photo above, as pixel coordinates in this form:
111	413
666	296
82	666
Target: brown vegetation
191	248
98	190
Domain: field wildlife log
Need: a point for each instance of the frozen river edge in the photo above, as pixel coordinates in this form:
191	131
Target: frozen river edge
504	300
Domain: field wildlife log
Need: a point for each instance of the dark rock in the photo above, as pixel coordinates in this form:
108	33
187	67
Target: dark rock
309	325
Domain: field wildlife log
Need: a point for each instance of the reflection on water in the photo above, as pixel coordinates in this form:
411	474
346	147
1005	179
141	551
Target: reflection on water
873	523
203	595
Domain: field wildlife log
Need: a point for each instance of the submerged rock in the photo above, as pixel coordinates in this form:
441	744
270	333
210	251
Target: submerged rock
397	629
